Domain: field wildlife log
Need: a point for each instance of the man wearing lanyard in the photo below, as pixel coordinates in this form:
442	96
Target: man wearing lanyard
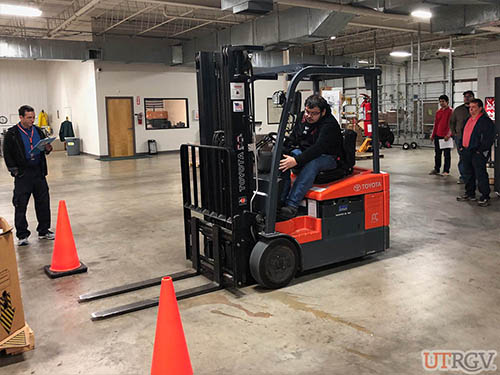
478	135
29	170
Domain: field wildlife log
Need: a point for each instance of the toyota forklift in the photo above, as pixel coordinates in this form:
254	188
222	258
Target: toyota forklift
232	236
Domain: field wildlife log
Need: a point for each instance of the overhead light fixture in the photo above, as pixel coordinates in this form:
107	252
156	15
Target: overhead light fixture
20	11
333	37
421	13
363	62
400	54
446	50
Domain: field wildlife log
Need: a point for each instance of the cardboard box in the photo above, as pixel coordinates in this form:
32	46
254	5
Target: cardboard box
11	303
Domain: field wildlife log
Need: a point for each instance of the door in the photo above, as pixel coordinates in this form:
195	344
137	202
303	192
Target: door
120	120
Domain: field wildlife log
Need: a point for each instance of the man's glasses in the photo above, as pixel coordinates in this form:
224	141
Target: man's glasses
312	113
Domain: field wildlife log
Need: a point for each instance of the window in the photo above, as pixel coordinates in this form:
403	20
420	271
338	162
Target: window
162	113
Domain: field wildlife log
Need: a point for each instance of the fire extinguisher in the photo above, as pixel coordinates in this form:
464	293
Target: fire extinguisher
367	107
139	118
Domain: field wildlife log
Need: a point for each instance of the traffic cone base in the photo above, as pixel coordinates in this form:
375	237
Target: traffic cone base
56	274
64	257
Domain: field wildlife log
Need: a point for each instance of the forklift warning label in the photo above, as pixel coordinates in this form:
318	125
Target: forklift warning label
368	186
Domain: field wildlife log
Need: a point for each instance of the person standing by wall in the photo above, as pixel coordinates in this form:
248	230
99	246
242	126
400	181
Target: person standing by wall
442	131
29	170
457	123
477	137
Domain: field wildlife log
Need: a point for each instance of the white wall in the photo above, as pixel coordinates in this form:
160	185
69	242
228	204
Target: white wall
147	81
22	82
486	76
72	92
264	89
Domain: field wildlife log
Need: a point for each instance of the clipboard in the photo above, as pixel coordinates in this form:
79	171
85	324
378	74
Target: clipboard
40	146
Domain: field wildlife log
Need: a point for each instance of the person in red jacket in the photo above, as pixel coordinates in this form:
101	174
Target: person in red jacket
442	131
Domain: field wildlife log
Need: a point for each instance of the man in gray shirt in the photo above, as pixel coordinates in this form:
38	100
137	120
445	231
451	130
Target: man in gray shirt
457	123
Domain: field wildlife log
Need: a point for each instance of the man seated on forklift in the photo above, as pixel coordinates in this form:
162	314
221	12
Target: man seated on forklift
314	145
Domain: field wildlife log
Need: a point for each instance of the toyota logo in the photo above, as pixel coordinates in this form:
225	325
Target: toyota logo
357	187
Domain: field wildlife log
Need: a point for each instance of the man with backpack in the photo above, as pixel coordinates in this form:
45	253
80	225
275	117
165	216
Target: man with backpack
314	145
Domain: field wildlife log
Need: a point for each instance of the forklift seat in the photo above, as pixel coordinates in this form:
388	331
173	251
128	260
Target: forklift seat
330	175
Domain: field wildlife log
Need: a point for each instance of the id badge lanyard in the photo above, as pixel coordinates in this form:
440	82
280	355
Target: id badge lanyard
30	138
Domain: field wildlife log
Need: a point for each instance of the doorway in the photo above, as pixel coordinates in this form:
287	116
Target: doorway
120	121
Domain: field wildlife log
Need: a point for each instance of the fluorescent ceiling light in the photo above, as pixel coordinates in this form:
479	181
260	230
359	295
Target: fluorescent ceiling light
400	54
363	62
421	13
20	11
333	37
446	50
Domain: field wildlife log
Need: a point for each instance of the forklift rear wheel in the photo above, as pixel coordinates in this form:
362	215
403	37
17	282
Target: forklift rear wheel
414	145
406	146
273	264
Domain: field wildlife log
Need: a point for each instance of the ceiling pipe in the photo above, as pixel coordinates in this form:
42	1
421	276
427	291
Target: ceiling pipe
315	4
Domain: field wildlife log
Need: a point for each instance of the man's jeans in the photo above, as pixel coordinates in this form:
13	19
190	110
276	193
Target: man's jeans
460	162
305	180
437	156
475	169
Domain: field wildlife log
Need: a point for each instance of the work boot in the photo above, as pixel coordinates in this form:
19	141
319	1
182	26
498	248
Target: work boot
288	212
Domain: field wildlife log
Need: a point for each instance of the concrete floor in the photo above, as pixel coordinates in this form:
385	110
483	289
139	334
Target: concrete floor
437	287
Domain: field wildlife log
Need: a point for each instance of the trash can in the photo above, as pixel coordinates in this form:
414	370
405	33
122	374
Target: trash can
72	146
152	150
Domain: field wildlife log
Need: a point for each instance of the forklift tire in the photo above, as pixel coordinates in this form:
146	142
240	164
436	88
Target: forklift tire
273	264
406	146
414	145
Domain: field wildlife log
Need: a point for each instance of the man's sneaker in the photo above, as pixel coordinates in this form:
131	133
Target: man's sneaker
465	197
49	235
434	172
460	181
23	241
445	174
483	202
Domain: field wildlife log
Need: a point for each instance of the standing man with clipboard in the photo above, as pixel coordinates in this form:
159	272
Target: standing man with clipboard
29	168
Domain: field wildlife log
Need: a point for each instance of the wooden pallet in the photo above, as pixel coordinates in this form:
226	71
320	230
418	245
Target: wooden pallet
366	156
21	341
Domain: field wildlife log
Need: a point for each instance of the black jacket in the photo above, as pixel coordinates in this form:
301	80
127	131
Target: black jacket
66	130
14	154
482	136
322	137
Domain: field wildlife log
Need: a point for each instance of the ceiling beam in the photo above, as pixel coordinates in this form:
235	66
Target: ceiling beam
395	28
128	18
198	26
85	6
178	4
163	23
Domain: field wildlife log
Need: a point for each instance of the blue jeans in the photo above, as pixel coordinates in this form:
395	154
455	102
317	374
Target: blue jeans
460	162
305	180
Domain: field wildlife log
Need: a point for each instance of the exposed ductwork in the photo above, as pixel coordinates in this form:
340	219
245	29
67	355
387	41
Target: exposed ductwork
275	31
463	19
255	7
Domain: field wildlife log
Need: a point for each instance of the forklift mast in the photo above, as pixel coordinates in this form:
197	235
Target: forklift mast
225	109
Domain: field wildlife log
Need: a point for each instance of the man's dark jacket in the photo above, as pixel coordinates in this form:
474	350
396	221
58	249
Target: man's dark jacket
14	153
482	136
322	137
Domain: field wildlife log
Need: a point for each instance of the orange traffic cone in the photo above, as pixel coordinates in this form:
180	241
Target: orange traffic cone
64	257
170	353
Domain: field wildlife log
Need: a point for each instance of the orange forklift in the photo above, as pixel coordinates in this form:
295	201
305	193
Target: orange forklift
230	204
